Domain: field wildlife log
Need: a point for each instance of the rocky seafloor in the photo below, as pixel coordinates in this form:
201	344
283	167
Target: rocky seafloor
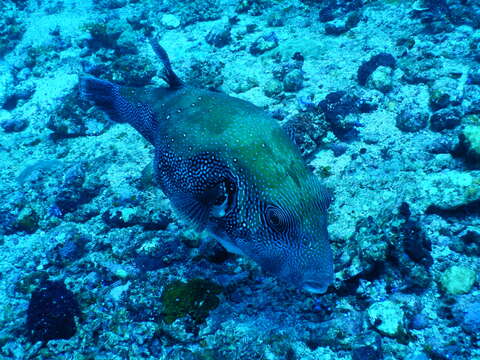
383	99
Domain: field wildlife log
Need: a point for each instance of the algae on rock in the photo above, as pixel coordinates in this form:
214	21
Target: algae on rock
195	298
470	139
387	317
457	280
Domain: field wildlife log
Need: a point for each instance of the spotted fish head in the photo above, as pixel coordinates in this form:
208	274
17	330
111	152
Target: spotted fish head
293	229
286	233
276	211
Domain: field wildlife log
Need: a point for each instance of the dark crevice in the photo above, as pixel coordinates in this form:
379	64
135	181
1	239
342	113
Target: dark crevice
470	209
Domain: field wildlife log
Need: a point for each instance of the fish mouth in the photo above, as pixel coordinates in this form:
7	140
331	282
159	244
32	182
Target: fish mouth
315	287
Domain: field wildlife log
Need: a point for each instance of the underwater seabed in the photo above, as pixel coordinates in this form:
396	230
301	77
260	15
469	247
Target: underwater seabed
381	97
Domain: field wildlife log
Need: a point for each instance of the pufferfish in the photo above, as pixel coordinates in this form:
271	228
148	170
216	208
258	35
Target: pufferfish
229	168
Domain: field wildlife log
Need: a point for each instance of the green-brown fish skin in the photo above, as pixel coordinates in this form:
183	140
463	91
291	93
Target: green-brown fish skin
228	167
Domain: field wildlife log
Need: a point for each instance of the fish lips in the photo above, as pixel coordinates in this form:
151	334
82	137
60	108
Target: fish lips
315	286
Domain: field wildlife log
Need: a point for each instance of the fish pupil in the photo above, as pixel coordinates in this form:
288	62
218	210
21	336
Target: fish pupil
275	218
221	199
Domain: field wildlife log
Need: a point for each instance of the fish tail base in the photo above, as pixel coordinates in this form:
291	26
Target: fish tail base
103	94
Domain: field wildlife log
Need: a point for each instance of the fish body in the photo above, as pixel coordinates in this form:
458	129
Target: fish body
228	167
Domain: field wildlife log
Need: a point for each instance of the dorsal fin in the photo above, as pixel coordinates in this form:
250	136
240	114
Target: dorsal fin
168	74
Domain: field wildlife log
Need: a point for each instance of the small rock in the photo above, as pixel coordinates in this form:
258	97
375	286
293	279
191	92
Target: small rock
381	79
263	44
51	312
469	242
445	119
73	247
121	217
219	36
273	88
276	19
341	26
366	353
411	120
185	354
443	145
419	322
150	262
439	100
8	222
244	84
215	253
457	280
387	317
205	73
74	176
27	220
127	43
249	29
451	192
120	271
170	21
474	76
159	256
340	109
112	4
12	27
156	220
307	129
117	292
338	149
14	124
191	238
326	13
199	10
330	10
67	200
133	71
415	243
368	67
336	27
77	189
417	356
24	74
63	128
103	35
471	103
469	146
293	81
471	318
353	19
6	84
444	92
24	91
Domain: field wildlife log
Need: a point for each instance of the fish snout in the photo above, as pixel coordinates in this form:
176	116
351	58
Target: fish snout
315	286
317	281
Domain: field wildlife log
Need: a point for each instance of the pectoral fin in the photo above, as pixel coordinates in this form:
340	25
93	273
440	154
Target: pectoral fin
199	207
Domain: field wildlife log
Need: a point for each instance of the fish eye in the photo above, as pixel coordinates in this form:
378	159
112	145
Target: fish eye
276	218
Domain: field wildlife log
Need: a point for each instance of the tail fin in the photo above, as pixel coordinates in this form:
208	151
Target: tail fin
103	94
107	96
168	75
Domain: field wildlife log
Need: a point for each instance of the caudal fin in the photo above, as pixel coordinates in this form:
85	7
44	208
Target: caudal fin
103	94
107	96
